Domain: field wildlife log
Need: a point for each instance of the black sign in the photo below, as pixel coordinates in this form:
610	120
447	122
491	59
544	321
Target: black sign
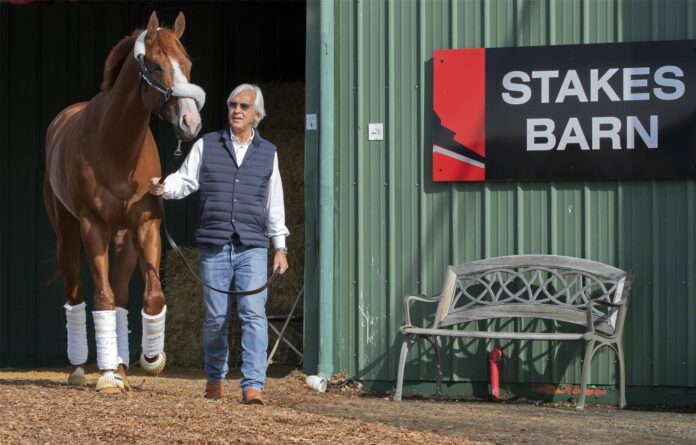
601	111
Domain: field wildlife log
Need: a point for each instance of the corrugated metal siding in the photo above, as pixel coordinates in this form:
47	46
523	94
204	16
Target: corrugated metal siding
397	230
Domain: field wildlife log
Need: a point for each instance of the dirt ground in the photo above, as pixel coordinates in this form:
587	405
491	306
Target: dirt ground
38	407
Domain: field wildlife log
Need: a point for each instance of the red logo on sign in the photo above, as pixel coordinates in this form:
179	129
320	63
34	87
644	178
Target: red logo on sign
459	103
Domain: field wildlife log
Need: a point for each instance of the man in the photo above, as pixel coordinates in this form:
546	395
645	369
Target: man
240	208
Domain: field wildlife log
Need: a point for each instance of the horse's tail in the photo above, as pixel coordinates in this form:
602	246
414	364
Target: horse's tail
51	264
54	275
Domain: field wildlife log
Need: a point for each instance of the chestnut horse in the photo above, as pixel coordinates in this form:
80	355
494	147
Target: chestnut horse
100	156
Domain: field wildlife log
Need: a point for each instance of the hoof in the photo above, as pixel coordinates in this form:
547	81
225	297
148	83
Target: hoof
155	367
110	383
77	377
124	378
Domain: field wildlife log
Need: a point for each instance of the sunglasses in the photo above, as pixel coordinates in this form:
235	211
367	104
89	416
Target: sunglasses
233	105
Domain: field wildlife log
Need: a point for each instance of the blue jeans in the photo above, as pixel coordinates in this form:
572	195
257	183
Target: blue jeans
235	267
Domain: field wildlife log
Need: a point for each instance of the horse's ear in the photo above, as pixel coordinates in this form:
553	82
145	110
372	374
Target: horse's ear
152	25
179	25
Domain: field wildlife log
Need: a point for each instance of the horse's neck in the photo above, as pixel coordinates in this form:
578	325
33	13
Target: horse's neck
124	120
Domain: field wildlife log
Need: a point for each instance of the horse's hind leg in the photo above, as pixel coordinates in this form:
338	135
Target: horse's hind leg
125	259
68	244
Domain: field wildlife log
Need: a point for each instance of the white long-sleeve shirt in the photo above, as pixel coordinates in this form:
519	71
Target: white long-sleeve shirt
183	182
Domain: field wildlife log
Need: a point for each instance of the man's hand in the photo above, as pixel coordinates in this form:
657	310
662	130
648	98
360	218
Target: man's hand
156	188
280	260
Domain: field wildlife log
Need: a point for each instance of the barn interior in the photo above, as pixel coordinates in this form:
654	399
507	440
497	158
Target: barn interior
52	55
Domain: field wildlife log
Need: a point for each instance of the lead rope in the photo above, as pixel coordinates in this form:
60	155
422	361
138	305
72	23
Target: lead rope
170	169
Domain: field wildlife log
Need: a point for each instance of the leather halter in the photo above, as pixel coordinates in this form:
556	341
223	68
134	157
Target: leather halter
147	77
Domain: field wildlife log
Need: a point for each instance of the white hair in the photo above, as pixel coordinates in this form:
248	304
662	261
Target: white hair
258	103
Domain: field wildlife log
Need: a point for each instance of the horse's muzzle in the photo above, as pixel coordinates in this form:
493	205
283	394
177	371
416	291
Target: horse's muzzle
188	129
188	123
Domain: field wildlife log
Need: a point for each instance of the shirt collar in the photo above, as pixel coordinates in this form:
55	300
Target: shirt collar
236	141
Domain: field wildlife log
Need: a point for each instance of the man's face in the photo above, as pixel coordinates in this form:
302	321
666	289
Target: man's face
242	120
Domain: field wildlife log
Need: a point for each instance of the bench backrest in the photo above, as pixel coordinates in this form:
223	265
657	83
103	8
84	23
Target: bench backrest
536	286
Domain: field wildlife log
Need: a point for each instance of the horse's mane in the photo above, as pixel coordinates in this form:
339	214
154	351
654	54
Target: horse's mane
168	44
115	60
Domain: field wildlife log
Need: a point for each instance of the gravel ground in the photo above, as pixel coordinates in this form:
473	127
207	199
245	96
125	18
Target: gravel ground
38	407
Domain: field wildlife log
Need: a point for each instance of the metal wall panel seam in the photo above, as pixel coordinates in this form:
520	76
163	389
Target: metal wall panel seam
656	361
359	201
421	56
691	280
453	198
349	199
553	219
519	216
487	218
374	308
392	321
620	24
620	252
654	16
455	243
377	321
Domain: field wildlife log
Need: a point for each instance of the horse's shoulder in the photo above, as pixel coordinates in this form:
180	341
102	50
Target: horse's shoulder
70	111
65	119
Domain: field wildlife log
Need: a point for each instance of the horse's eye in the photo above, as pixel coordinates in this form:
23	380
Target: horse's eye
157	68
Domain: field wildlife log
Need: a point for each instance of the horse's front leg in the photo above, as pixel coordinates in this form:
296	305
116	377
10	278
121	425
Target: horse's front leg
95	237
125	258
153	359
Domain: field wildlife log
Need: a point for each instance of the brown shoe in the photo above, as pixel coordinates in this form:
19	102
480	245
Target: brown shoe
252	396
213	389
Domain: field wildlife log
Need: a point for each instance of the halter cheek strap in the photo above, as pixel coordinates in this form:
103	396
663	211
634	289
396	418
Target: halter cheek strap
180	89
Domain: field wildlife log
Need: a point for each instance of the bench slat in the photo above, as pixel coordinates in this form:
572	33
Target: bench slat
493	335
545	311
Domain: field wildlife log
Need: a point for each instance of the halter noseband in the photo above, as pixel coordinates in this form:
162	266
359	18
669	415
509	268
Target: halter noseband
147	77
179	89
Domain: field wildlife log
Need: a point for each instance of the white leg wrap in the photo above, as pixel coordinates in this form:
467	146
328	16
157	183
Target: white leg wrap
122	336
153	333
77	333
105	336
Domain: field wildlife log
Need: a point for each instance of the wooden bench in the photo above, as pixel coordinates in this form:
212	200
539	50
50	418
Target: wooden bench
563	289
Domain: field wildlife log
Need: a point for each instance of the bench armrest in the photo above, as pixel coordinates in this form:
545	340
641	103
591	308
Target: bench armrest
407	305
608	303
590	316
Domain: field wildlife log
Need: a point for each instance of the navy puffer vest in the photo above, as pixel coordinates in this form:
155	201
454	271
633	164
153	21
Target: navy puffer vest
233	199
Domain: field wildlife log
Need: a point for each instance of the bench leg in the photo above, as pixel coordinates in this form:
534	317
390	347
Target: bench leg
589	352
438	351
405	346
622	375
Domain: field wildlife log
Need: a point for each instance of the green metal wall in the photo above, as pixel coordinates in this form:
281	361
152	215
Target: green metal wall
396	230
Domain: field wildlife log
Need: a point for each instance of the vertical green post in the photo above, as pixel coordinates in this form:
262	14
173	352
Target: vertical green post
326	188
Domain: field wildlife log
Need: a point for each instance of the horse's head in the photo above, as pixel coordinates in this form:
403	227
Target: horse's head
165	69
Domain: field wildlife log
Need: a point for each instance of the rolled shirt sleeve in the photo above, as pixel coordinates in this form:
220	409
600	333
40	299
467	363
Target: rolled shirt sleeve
184	181
275	209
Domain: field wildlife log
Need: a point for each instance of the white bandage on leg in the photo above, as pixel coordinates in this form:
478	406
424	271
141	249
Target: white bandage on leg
153	333
77	333
122	336
105	336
